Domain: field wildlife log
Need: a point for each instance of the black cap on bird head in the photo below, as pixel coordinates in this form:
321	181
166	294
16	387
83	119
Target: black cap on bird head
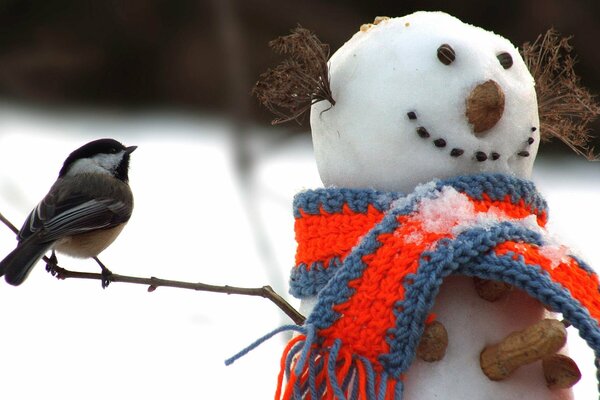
101	146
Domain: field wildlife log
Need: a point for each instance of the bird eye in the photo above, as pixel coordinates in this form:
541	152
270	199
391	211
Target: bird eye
446	54
505	60
113	150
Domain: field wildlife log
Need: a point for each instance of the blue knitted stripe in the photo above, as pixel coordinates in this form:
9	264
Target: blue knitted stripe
332	200
469	254
307	281
538	284
337	291
421	288
462	255
497	186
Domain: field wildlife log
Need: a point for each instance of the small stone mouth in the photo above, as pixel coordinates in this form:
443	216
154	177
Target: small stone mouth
456	152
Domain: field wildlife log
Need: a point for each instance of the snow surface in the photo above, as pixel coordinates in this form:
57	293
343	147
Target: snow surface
73	340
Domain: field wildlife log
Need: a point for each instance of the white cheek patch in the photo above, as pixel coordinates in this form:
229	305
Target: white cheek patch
100	163
109	161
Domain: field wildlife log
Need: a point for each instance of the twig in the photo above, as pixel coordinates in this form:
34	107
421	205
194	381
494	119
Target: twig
153	283
9	224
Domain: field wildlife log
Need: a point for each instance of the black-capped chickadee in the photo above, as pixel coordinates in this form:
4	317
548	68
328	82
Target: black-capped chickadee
82	214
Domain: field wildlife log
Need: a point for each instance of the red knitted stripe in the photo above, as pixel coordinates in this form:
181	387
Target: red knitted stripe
368	314
582	284
327	235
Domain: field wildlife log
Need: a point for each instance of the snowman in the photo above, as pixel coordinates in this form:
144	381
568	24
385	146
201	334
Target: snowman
423	266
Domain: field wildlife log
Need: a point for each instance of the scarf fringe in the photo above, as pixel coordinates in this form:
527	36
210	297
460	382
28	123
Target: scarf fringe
314	373
263	339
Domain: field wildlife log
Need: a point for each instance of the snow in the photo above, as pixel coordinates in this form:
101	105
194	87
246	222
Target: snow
380	75
71	339
443	213
422	190
557	254
450	212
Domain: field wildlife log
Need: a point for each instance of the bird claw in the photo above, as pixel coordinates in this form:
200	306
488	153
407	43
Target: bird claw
106	274
52	264
106	277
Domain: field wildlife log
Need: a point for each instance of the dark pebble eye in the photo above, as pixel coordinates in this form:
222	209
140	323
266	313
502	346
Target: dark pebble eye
505	60
446	54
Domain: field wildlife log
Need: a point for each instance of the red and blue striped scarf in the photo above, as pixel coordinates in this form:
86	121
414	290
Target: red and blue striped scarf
376	261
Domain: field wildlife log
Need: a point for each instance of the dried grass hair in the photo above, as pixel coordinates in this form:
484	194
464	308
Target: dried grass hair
301	80
565	107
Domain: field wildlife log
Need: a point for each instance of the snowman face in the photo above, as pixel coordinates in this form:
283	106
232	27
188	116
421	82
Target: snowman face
421	97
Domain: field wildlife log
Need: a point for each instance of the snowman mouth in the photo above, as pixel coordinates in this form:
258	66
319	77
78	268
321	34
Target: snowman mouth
456	152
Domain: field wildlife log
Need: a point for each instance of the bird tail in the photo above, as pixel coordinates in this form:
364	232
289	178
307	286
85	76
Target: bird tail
17	265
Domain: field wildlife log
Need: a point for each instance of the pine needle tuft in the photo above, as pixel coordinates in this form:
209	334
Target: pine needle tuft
565	107
299	81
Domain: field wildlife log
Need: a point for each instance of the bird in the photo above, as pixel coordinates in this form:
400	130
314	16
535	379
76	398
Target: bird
83	213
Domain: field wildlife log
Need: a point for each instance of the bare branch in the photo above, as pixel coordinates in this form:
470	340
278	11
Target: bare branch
9	224
153	283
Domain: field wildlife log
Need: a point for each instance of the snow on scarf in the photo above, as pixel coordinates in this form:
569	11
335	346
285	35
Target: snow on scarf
376	261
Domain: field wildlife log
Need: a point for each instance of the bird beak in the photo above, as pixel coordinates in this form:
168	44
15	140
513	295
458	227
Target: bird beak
130	149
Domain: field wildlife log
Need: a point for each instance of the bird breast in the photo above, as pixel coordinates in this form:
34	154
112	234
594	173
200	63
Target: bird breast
88	244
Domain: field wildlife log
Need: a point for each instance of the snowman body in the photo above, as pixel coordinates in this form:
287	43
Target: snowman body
427	97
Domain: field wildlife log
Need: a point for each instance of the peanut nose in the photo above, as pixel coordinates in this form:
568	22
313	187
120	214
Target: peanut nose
485	106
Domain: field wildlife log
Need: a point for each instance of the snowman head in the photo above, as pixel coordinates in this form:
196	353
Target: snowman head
421	97
407	100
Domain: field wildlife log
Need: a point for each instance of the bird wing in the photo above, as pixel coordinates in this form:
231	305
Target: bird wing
58	216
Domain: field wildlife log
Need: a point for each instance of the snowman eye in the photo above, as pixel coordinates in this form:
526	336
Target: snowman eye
446	54
505	60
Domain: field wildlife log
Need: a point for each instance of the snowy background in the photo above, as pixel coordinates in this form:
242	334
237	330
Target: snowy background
71	339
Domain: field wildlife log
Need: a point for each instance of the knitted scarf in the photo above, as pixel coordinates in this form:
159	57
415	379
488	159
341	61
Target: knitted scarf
376	261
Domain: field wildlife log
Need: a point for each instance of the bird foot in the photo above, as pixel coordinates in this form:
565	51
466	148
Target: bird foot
106	278
52	265
106	274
